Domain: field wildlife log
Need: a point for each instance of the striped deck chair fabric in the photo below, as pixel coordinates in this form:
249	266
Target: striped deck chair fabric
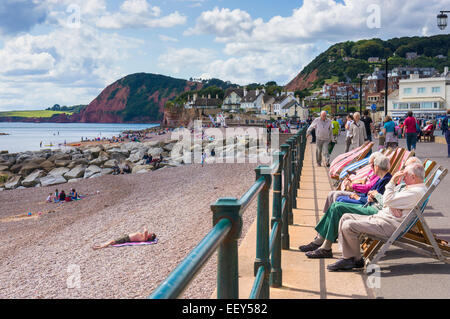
353	167
344	156
356	155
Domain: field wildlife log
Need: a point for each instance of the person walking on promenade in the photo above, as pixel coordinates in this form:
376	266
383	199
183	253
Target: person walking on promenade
348	138
368	124
322	125
335	126
391	139
410	131
358	131
446	131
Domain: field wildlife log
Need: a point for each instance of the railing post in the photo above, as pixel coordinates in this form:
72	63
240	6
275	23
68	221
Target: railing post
227	263
262	231
290	141
276	272
285	212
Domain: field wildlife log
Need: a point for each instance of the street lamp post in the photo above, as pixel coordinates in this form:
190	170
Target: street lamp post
347	99
442	20
386	88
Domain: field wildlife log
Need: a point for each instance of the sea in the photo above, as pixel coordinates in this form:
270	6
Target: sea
28	136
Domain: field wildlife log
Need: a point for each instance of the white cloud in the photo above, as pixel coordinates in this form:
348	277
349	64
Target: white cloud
257	51
139	14
223	23
65	65
176	60
166	38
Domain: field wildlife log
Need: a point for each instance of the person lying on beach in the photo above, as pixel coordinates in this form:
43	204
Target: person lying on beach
131	238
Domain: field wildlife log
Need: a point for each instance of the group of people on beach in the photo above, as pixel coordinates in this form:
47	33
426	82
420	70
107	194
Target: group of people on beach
59	197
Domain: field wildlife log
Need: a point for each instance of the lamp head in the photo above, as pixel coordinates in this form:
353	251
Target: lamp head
442	20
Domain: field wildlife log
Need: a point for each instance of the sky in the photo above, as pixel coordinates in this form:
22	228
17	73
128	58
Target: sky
67	51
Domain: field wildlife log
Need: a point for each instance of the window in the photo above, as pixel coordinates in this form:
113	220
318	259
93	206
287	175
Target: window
436	89
403	106
407	90
421	90
427	105
415	105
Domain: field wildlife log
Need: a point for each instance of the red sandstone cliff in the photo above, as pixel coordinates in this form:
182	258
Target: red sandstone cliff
301	82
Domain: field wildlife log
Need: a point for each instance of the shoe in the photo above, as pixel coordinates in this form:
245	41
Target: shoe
343	264
360	263
328	164
319	253
310	247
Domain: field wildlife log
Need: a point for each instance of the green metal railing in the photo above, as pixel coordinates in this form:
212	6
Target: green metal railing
227	221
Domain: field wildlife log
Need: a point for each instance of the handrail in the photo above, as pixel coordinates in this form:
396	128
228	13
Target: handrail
250	195
227	221
177	281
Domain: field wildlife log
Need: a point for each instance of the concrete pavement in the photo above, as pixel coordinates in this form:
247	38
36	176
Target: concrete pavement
402	274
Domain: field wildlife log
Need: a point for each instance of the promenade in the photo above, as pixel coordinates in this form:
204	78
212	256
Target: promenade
402	274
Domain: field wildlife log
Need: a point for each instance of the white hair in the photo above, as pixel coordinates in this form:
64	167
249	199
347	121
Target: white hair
417	170
374	156
413	160
383	163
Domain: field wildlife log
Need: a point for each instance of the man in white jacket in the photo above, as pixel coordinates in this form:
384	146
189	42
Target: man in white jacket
397	202
324	133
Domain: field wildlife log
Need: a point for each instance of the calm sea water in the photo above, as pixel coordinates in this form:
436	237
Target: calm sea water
28	136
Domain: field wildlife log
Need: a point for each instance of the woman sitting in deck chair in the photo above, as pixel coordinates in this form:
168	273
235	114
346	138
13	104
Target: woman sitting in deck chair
328	225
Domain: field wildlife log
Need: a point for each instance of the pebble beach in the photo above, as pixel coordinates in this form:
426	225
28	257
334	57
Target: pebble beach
39	253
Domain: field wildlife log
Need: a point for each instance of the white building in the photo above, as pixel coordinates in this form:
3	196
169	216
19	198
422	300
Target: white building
281	101
426	97
253	100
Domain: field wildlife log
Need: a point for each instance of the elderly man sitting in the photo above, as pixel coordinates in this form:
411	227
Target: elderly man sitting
327	228
397	202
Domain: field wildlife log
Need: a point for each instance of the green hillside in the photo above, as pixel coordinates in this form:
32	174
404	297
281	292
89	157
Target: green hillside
34	114
346	60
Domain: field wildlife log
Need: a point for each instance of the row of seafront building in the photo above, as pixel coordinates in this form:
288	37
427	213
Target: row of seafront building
424	91
284	104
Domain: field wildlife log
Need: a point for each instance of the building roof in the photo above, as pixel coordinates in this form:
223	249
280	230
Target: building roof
238	91
291	104
207	102
267	98
251	96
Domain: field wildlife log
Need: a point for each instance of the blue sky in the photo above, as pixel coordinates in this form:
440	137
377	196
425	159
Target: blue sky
68	51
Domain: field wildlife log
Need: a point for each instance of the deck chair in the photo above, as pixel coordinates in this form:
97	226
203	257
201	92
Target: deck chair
364	171
356	156
352	168
423	243
368	244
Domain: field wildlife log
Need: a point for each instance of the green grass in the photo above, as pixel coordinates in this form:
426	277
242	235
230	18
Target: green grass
39	113
332	80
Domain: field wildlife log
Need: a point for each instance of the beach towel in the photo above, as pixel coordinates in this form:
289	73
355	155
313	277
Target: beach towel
138	244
